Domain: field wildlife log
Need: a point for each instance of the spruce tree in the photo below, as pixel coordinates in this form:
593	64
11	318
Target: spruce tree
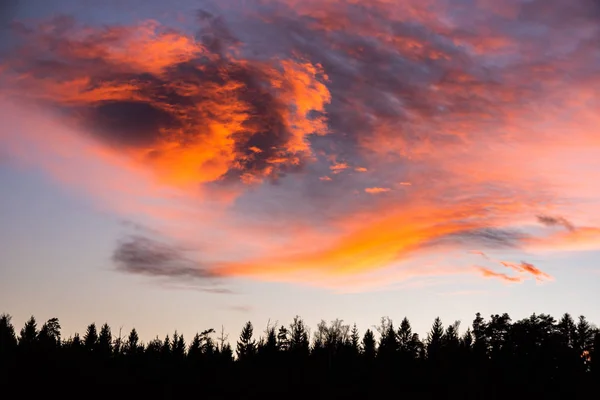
105	341
90	339
246	346
29	334
8	338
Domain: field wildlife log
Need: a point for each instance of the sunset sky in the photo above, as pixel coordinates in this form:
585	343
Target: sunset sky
191	164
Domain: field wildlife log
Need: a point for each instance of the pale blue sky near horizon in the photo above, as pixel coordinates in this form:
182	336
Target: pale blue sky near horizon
56	262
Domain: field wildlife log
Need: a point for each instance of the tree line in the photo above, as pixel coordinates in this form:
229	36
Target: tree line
492	357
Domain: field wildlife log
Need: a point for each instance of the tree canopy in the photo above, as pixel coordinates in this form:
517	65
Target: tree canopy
491	358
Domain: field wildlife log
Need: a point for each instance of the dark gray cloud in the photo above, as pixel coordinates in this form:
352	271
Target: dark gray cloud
128	123
142	255
486	238
555	221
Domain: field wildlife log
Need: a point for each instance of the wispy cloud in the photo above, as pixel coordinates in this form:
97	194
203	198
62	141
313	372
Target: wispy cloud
142	255
555	221
488	273
377	190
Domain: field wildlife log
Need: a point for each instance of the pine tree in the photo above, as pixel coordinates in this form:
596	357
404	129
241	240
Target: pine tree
355	339
105	341
567	330
132	347
8	338
90	339
299	343
283	339
153	349
368	344
450	339
76	342
226	354
246	346
388	344
466	341
165	351
178	346
405	336
268	347
195	350
584	338
29	334
434	339
480	343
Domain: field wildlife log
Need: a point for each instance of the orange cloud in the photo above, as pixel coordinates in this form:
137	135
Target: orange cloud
338	167
528	268
491	274
377	190
146	90
365	243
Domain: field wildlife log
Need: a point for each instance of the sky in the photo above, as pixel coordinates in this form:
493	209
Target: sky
196	164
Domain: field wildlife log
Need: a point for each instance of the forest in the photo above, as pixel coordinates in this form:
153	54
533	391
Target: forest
492	358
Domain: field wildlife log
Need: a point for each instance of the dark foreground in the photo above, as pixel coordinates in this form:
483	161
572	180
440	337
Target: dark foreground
537	357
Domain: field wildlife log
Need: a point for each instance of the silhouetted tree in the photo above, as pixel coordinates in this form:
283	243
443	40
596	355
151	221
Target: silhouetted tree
368	344
49	335
584	336
568	330
226	353
466	340
595	356
298	338
268	346
90	339
497	331
28	335
435	340
178	349
76	342
105	341
153	350
246	346
283	339
195	350
165	349
388	343
355	340
405	336
132	346
8	338
537	356
209	348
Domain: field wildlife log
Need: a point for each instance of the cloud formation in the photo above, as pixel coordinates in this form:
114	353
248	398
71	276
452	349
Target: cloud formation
188	109
555	221
525	267
488	273
330	142
142	255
